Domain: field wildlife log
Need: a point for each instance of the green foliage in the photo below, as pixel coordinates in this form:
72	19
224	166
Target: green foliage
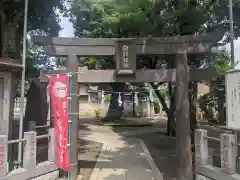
142	92
108	97
43	19
135	18
164	92
98	63
207	103
148	18
42	16
214	101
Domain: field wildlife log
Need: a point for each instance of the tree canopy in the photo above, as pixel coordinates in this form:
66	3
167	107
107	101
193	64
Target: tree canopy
134	18
43	18
42	15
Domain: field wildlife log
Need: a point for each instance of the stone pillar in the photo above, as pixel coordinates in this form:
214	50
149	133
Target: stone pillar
30	150
3	155
201	147
228	153
73	67
183	131
51	146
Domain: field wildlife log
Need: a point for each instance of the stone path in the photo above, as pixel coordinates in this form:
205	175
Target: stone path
122	158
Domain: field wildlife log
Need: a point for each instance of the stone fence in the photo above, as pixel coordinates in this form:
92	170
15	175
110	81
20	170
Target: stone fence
30	169
229	168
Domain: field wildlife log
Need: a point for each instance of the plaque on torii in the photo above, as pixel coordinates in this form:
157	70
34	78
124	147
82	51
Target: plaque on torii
125	57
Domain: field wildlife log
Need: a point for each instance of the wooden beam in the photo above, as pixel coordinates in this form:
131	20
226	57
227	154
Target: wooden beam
150	75
62	41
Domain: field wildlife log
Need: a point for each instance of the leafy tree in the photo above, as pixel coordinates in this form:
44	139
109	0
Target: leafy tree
215	99
42	19
141	18
138	18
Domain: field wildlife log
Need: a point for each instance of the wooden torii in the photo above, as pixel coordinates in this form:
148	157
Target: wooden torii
125	51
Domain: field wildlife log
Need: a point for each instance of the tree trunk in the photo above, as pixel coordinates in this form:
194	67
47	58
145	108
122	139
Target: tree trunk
37	106
183	131
169	111
115	111
171	131
193	91
171	125
170	104
220	102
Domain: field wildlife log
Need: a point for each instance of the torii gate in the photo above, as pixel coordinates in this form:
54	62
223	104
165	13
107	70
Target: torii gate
125	51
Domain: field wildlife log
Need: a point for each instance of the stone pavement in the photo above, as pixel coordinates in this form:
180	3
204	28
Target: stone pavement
122	158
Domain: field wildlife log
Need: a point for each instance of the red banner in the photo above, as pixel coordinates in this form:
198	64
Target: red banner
59	87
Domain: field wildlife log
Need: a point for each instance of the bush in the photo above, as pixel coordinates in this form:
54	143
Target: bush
156	107
207	104
108	97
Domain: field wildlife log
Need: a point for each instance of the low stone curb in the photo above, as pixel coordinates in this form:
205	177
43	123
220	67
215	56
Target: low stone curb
152	163
96	169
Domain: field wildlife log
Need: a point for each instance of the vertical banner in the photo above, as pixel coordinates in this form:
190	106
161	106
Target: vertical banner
59	88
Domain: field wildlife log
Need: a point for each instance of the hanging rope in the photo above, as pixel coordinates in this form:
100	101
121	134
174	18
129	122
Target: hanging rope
102	97
119	100
136	98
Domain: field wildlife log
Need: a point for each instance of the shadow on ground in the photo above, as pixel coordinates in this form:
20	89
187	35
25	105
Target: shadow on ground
124	160
88	155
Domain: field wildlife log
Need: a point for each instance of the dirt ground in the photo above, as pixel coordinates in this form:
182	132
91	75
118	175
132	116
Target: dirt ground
162	150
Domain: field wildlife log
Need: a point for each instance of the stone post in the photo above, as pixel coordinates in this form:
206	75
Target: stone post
3	155
228	153
30	150
51	146
201	147
73	67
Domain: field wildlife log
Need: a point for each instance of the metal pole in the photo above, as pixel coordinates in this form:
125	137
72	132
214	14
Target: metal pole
231	33
23	81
